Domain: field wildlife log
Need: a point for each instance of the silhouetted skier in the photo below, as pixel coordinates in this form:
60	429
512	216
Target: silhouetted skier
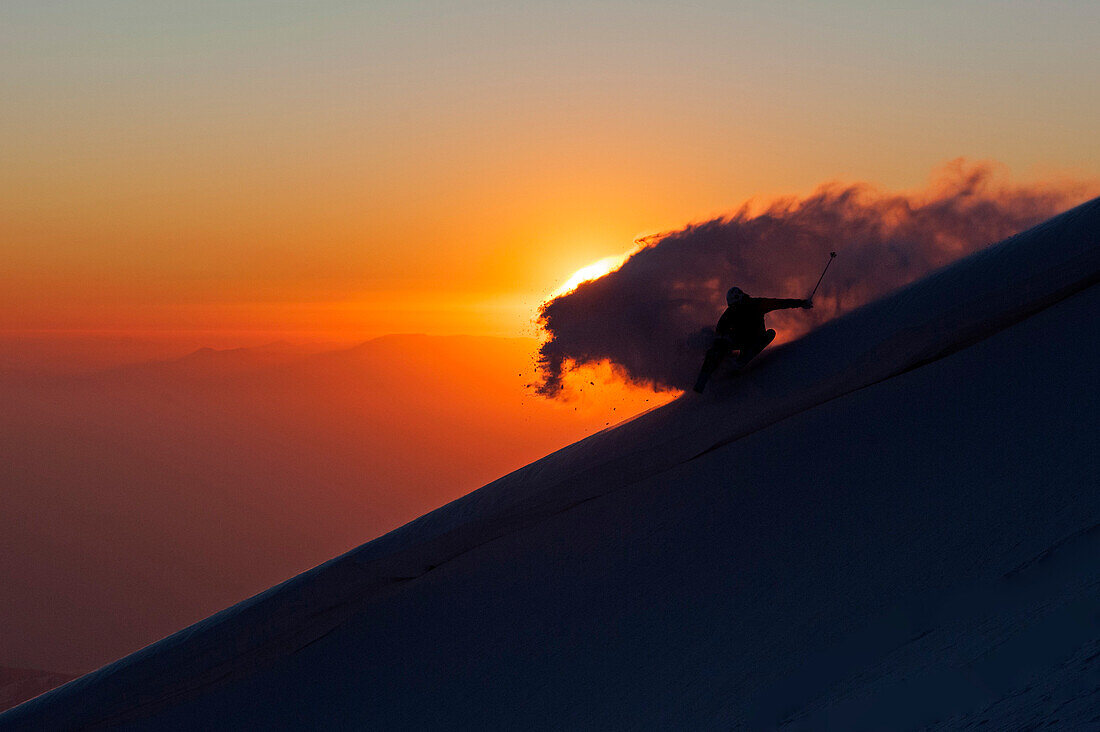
741	328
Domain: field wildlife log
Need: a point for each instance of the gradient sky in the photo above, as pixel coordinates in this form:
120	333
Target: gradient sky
360	168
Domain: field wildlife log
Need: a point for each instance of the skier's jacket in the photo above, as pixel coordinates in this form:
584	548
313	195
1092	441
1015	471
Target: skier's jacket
743	323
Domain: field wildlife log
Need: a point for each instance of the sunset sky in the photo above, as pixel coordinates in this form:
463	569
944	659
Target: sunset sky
349	169
299	178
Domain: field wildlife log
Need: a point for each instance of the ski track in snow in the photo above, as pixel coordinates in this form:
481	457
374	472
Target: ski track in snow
967	658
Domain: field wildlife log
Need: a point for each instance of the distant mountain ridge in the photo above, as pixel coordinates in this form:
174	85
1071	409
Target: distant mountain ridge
205	478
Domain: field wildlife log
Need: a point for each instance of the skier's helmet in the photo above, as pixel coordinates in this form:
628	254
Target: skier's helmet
735	295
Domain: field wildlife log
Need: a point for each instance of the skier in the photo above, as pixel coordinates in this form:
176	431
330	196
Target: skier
741	328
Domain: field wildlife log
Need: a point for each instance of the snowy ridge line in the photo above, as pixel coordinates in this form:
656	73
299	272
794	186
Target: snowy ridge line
313	626
976	334
912	327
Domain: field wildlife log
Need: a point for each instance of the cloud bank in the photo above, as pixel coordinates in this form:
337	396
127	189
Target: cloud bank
653	317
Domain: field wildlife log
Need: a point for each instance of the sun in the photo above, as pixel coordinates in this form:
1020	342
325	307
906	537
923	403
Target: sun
590	272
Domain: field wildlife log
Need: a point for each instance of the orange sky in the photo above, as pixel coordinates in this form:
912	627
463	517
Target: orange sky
344	171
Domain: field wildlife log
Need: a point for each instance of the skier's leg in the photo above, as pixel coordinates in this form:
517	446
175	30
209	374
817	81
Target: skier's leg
750	352
718	351
715	354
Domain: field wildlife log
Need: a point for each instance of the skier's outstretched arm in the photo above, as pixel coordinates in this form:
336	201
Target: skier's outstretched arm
767	304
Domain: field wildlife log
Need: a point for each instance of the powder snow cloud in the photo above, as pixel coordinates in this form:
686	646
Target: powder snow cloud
653	317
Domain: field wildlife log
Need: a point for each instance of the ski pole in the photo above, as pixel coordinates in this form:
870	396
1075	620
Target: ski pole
832	256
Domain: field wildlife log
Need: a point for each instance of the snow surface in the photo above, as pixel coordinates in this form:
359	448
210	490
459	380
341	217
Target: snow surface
893	522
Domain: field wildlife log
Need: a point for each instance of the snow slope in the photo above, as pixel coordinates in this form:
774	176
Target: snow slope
892	522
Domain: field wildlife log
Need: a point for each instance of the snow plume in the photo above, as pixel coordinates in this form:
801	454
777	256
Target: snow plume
653	318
